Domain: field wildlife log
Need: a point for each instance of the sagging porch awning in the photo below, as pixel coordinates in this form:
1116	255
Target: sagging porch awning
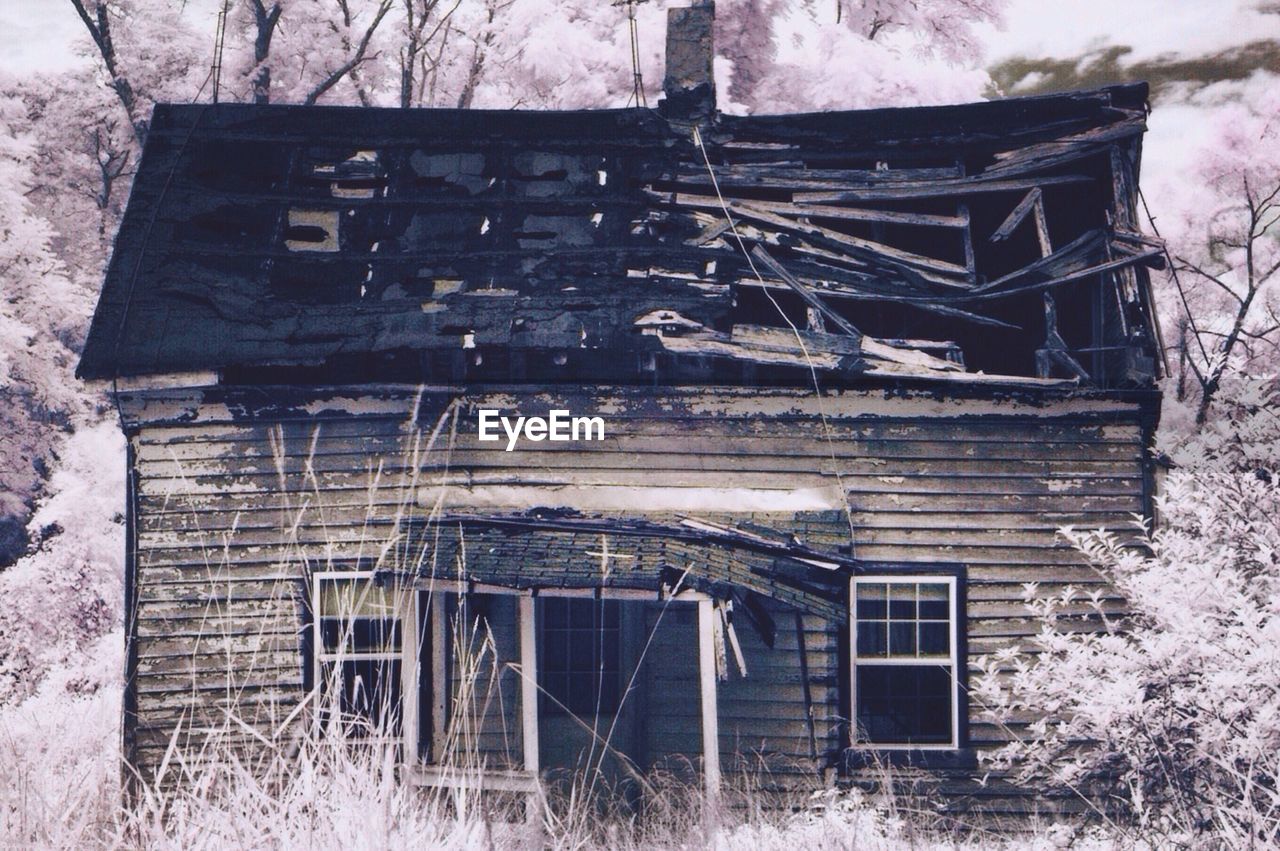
545	549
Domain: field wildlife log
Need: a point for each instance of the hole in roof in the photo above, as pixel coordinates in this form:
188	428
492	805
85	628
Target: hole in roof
312	230
305	233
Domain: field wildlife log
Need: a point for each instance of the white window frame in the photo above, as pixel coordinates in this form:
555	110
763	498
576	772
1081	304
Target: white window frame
407	655
951	581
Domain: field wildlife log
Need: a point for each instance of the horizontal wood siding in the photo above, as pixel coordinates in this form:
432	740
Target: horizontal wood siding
233	505
781	717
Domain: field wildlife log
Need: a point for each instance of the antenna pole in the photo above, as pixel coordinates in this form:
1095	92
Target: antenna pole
219	37
637	82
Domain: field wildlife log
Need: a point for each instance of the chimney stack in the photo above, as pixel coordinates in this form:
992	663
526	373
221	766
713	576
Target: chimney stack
689	84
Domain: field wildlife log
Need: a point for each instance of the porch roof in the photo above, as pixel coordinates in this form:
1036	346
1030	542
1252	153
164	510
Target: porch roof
556	550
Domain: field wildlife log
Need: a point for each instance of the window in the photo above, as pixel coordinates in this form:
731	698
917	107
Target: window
579	655
904	662
360	644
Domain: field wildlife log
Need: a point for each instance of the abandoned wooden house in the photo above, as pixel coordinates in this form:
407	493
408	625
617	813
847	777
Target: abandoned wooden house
806	399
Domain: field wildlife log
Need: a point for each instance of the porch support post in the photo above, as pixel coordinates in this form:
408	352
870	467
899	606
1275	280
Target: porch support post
707	681
440	650
529	707
528	684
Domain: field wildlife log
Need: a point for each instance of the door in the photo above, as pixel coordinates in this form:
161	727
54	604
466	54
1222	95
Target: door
587	719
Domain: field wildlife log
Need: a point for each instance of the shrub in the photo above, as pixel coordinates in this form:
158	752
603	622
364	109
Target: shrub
1174	709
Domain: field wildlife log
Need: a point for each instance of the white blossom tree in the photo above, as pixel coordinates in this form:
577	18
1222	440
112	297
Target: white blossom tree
1174	709
42	319
1225	241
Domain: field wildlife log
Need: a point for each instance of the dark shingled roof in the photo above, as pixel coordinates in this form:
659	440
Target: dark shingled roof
292	236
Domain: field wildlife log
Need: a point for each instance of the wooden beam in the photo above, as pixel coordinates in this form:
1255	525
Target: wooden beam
159	381
962	186
489	779
807	686
1015	218
1042	227
528	684
859	214
529	705
749	210
411	631
966	234
710	718
439	674
809	298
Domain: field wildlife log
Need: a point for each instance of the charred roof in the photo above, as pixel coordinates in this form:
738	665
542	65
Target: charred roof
320	243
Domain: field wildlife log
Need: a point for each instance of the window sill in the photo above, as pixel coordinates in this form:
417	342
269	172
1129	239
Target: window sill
489	780
856	759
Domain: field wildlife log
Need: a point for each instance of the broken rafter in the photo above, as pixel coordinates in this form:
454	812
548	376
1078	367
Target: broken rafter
1055	351
1130	259
940	189
859	292
1015	218
865	250
805	293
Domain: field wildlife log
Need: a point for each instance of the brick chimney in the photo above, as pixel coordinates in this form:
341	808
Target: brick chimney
689	84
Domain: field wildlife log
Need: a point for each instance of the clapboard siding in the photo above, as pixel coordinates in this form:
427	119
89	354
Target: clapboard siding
234	503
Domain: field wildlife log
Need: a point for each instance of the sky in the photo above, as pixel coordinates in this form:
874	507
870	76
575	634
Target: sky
1153	28
1156	34
37	34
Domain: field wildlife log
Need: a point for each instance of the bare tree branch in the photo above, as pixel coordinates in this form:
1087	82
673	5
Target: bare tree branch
1192	267
351	64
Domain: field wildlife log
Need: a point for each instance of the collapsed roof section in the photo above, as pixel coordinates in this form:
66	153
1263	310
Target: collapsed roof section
558	550
328	243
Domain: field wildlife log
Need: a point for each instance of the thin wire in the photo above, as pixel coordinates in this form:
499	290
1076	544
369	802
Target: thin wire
1177	282
813	372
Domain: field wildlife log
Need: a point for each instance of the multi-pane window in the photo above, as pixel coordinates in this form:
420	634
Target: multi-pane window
904	661
360	633
579	655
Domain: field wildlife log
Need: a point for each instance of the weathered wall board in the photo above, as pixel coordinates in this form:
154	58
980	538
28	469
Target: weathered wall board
238	497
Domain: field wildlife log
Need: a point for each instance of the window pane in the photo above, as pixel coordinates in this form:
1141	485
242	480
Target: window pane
365	693
871	600
872	639
331	634
355	597
582	652
555	612
902	638
580	637
375	635
582	613
902	601
935	602
935	638
610	652
555	650
904	704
